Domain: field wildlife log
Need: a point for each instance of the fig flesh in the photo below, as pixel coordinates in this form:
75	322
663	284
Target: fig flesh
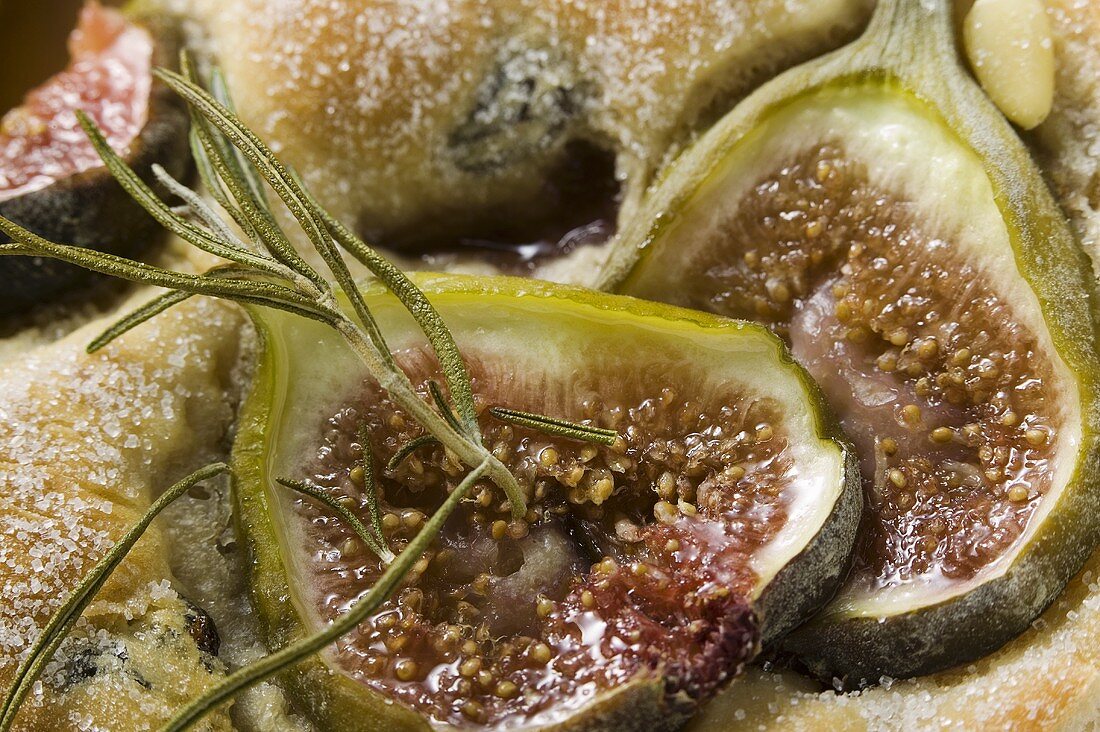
876	210
645	573
51	179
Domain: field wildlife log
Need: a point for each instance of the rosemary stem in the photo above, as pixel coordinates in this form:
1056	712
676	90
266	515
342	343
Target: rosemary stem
216	225
381	590
397	385
446	350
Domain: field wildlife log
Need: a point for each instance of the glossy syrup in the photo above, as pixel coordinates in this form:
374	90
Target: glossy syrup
632	562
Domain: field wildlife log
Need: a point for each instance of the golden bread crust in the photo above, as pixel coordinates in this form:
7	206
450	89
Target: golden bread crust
1068	141
387	108
88	440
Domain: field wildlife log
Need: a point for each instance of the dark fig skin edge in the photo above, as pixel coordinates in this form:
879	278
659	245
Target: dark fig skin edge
909	49
90	209
336	702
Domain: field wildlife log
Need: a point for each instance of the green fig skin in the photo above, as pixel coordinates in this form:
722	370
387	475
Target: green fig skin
337	702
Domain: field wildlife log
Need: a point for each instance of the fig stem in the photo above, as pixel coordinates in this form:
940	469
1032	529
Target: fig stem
62	621
288	656
911	32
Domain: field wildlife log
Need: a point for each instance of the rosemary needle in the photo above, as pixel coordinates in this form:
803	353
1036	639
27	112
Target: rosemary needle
408	449
374	541
557	427
370	488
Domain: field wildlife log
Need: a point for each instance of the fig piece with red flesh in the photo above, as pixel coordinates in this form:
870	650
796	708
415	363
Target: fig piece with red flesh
51	179
876	210
644	574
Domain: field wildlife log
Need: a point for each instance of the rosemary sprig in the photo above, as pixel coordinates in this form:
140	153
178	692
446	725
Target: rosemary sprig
148	199
300	650
220	90
223	163
556	427
267	271
277	276
373	536
452	364
63	620
465	442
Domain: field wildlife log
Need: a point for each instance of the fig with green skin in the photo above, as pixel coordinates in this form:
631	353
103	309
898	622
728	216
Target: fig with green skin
876	210
51	179
645	573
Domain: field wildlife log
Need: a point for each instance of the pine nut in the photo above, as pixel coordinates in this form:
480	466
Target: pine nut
1010	48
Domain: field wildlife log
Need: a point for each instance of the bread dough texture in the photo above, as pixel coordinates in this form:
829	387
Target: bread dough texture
88	441
402	113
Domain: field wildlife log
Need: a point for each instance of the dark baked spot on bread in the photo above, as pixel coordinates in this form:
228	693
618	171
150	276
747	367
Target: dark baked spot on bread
522	110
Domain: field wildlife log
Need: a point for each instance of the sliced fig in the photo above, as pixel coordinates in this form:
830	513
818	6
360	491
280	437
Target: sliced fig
51	179
876	210
644	574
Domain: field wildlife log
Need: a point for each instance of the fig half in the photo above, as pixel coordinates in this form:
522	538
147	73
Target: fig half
51	179
876	210
645	573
